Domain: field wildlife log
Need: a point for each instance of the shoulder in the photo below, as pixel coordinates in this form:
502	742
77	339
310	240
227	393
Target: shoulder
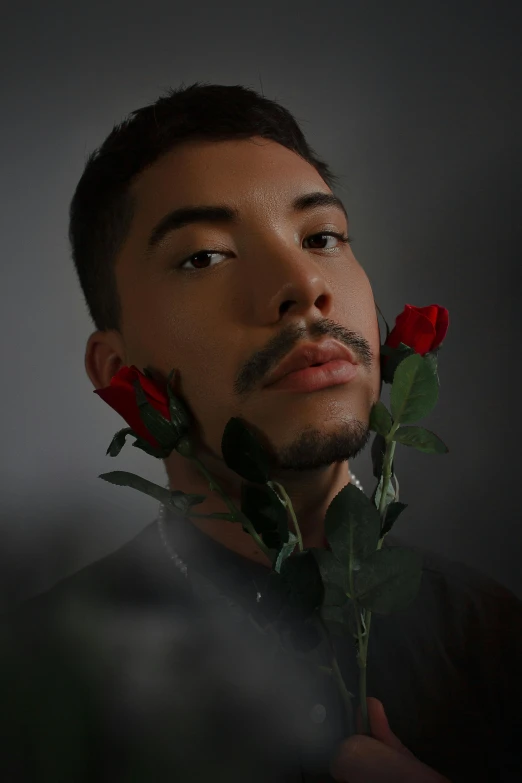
137	574
455	575
465	603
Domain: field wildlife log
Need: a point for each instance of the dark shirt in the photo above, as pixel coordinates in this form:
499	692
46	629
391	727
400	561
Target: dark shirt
130	671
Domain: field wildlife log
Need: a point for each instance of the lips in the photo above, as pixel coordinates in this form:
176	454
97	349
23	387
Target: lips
309	354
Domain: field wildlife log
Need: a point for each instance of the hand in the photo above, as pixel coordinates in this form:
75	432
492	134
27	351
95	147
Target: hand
381	758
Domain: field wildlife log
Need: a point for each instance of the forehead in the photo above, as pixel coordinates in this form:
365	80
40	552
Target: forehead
250	174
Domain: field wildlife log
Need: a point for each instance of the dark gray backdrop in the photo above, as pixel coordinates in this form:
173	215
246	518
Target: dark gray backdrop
416	105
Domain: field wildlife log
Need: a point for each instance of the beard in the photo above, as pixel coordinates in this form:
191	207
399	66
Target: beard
314	449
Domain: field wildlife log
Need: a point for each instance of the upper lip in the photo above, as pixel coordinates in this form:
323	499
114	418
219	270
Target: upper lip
311	353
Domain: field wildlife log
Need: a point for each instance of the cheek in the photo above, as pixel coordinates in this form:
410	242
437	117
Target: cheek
192	342
355	300
370	316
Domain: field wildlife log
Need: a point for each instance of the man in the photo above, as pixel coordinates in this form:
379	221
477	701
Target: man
207	237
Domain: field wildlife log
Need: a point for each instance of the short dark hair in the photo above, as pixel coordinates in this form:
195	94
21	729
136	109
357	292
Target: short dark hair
102	208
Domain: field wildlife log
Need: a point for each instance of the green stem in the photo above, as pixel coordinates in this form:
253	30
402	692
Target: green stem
288	505
238	515
361	658
362	697
364	636
387	469
345	693
325	669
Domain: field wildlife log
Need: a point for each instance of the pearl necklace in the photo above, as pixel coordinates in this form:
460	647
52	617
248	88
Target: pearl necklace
178	562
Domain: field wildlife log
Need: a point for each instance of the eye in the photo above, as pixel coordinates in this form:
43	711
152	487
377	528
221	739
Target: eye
344	238
193	259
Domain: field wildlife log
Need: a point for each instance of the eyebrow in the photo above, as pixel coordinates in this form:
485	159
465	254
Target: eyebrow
220	213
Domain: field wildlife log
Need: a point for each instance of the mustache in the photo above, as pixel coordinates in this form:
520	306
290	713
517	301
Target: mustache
261	364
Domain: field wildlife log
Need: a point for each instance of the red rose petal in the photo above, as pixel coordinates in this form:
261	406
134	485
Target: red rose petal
414	329
121	396
442	326
421	328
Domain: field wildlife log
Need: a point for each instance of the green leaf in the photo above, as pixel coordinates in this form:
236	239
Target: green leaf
380	419
401	350
124	479
179	415
243	453
340	620
159	427
118	442
431	357
148	449
421	439
378	451
415	389
285	551
220	515
183	501
352	526
392	513
390	359
389	580
390	492
335	577
262	506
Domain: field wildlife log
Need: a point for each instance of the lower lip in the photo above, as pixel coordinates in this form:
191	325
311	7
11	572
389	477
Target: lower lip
313	378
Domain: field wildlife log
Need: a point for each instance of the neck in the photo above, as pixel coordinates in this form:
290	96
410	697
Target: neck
310	496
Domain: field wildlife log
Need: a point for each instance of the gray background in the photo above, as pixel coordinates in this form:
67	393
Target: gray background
416	105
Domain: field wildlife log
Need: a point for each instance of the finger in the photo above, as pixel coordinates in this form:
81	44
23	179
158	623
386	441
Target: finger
379	726
361	759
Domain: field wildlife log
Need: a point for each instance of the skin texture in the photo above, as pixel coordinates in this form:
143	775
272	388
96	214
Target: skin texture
272	285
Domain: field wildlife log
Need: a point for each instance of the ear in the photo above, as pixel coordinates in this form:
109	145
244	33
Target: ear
104	356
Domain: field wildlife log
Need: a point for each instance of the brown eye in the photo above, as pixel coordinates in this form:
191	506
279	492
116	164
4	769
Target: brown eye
199	258
344	238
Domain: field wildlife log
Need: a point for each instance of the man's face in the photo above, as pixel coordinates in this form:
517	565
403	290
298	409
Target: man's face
226	319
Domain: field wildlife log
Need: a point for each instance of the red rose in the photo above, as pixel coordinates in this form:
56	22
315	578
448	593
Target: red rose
421	328
121	396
